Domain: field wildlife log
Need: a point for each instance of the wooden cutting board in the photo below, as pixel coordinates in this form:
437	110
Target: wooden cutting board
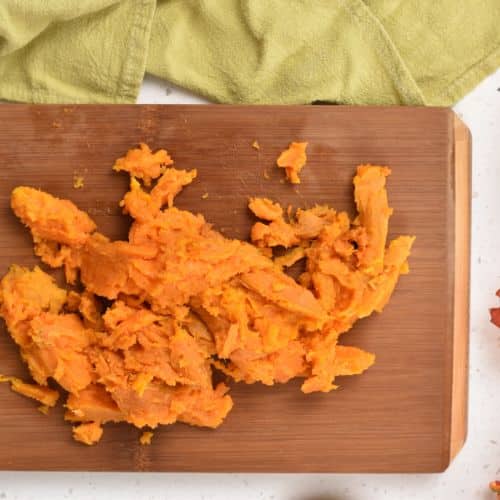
406	414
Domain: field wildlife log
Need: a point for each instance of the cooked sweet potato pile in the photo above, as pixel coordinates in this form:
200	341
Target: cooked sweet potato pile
183	300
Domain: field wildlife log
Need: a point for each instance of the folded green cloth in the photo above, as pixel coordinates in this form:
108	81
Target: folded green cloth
249	51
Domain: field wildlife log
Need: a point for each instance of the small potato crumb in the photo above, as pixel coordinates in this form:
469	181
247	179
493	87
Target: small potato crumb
88	433
43	409
265	209
56	124
266	175
78	181
291	257
146	438
293	160
255	145
204	196
43	395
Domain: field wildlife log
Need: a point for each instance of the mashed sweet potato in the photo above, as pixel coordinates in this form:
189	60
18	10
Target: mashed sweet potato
156	314
293	160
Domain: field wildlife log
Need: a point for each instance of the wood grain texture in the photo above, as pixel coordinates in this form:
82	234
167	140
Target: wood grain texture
398	417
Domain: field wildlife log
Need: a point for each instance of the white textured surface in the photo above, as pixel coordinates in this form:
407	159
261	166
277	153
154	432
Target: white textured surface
477	464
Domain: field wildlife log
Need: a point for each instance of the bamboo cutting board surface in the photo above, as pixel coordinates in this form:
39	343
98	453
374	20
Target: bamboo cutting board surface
406	413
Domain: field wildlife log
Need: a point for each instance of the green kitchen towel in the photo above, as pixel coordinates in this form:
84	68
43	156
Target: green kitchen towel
73	51
249	51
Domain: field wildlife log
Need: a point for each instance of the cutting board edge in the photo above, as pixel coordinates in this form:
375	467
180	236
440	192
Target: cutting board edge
447	448
462	184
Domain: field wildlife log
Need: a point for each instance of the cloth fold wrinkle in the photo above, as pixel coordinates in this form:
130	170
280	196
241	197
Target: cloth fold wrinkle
58	66
22	21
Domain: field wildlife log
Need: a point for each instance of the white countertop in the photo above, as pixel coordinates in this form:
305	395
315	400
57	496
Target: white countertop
478	463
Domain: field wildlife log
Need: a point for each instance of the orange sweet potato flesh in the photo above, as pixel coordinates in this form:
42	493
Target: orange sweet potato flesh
50	218
265	209
88	434
48	397
374	212
293	160
183	300
141	162
146	438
